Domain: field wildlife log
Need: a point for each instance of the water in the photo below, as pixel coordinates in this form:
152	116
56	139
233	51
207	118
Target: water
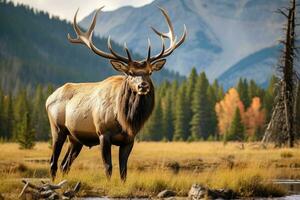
106	198
292	186
290	197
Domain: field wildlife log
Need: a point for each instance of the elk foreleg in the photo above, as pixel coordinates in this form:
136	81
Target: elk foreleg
124	153
105	148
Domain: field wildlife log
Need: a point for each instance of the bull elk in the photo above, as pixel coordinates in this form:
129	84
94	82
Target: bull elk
110	112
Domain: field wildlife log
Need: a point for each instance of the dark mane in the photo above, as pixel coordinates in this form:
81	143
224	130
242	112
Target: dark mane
134	109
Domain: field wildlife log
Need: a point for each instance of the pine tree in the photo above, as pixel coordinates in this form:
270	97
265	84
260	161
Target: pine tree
254	91
236	130
212	117
268	100
242	88
9	117
50	90
181	126
40	121
167	117
220	94
200	108
24	133
152	130
191	82
2	124
216	88
173	96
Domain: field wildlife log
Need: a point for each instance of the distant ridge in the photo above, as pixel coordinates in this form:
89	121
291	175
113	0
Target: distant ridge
258	66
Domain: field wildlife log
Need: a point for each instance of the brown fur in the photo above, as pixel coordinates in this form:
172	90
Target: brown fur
134	109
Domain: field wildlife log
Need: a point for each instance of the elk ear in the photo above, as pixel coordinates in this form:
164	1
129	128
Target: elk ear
157	65
119	66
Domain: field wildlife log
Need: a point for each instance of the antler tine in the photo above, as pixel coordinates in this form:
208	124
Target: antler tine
164	35
86	38
80	35
170	35
168	20
182	38
75	26
149	49
177	44
127	52
161	52
171	48
119	57
91	29
163	47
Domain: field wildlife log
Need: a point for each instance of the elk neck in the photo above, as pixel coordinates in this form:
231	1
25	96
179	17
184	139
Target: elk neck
134	109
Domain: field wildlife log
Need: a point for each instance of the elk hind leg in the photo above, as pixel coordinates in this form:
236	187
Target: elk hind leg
58	139
72	153
65	158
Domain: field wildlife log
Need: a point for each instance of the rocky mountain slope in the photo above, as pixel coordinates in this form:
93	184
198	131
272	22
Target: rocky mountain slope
221	33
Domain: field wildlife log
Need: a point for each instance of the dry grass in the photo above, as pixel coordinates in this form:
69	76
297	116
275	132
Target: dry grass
157	166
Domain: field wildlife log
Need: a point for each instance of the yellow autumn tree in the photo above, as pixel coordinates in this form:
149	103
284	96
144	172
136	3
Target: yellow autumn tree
254	119
226	108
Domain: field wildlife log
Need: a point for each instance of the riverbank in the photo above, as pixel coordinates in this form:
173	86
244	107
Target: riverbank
244	168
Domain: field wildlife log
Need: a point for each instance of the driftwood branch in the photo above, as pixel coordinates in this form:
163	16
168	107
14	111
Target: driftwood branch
48	190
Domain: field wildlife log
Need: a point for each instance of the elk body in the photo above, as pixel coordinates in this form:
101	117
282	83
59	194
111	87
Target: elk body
110	112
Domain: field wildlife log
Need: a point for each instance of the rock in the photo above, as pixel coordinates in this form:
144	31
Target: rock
221	193
166	193
54	196
170	198
197	192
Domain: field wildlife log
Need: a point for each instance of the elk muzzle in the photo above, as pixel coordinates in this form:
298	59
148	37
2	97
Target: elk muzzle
143	88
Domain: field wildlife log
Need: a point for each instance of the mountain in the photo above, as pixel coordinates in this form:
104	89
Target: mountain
220	32
34	49
258	66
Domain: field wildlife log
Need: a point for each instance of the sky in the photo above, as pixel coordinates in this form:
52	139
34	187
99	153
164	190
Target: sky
65	9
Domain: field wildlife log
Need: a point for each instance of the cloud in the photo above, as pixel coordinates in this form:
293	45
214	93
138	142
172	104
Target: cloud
65	9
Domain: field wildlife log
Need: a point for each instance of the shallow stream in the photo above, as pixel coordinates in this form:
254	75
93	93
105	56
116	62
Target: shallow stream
293	186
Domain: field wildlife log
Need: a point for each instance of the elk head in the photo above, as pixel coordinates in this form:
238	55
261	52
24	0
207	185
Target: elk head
138	72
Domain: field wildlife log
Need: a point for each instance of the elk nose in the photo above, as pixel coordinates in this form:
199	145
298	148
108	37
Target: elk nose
143	85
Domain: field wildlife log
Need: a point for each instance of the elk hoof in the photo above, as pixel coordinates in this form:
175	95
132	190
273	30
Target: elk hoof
53	171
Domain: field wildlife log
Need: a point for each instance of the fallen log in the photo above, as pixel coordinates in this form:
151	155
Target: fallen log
48	190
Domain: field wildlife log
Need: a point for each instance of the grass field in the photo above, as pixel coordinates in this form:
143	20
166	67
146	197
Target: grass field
157	166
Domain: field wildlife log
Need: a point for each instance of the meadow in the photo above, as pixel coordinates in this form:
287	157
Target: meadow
248	169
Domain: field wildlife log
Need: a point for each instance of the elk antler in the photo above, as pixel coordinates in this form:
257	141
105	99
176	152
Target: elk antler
86	39
170	35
